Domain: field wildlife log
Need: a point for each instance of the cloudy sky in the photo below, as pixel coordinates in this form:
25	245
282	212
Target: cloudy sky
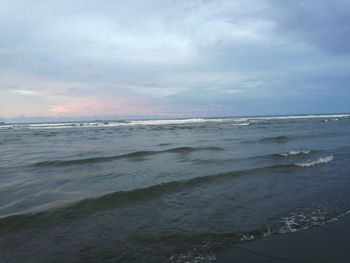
163	58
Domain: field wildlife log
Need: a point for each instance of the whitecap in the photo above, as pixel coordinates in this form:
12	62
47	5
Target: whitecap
167	122
323	116
292	153
316	162
241	124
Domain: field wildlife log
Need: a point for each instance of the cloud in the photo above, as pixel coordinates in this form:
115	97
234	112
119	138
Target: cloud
170	57
321	23
25	92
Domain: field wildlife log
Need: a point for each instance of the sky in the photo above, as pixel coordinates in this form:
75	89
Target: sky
172	58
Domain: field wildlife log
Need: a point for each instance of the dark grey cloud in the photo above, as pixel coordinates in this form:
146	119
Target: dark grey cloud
322	23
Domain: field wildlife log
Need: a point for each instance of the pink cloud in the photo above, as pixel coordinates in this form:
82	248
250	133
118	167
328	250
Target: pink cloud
104	107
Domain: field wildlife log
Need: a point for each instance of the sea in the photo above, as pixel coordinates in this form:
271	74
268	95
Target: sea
172	190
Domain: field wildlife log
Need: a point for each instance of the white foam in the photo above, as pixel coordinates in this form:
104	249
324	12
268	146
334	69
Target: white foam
300	221
327	120
304	218
6	126
194	256
247	238
63	125
241	124
291	153
236	121
303	117
169	122
239	121
316	162
111	123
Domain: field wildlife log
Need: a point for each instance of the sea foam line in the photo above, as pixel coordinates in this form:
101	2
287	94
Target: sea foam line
299	220
292	153
315	162
235	120
302	117
241	124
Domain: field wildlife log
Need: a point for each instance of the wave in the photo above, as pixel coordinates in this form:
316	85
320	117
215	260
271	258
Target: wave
41	126
294	153
274	157
267	157
311	116
142	194
169	122
165	144
240	121
272	139
242	124
131	155
113	123
305	218
192	149
81	209
298	220
140	155
287	138
334	119
275	139
316	162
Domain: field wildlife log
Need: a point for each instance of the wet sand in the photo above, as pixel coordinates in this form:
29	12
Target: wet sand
329	243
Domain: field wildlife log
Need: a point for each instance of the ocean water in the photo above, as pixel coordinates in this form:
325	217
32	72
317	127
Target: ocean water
167	190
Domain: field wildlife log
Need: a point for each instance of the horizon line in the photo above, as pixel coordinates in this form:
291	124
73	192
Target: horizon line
43	119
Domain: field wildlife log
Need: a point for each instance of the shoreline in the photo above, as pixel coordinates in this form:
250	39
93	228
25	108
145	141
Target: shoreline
321	244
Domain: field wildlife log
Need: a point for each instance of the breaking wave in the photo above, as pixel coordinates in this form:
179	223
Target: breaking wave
298	220
238	121
321	116
293	153
316	162
242	124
